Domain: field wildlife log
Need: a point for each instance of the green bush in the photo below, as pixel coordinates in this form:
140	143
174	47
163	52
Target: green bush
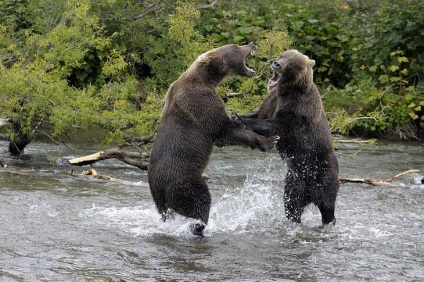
113	59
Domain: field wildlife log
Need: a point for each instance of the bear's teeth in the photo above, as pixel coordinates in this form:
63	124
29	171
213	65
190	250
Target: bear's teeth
274	80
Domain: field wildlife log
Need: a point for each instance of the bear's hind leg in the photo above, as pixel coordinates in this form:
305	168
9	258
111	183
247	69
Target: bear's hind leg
293	208
161	206
194	202
294	197
325	200
327	215
197	229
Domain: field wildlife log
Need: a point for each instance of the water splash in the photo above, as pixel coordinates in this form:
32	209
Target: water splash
139	220
252	207
257	205
43	208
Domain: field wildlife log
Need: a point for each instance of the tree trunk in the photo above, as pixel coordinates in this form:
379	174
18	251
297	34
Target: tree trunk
19	141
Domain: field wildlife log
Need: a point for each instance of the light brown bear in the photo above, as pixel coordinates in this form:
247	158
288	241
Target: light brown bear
193	119
293	110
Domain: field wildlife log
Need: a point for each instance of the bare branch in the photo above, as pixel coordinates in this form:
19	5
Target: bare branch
139	140
376	182
360	118
355	141
211	5
137	159
150	9
9	59
44	133
400	174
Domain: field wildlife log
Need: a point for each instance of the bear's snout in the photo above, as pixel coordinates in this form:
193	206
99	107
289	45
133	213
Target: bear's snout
276	65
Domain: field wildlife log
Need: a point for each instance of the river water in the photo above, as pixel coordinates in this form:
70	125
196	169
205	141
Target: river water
59	227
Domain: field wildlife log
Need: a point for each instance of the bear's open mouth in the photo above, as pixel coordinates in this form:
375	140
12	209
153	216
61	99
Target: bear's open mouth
249	71
274	80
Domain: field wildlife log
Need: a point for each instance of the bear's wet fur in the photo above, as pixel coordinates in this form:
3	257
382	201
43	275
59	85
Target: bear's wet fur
293	110
194	118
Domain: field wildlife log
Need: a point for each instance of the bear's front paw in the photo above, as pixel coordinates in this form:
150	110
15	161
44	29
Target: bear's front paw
272	141
268	143
219	143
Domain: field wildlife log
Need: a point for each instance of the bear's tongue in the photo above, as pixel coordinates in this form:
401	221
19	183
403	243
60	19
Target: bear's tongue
274	80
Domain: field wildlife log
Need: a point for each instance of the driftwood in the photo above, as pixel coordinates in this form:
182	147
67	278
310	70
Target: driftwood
376	182
355	141
137	159
92	172
102	156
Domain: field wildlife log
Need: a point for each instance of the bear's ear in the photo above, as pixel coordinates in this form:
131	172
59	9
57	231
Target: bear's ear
312	63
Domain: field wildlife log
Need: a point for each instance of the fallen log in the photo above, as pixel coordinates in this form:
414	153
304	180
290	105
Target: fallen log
137	159
376	182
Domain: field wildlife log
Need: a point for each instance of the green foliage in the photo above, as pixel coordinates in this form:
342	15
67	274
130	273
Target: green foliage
108	63
33	97
318	30
370	109
236	22
182	30
394	48
39	89
363	51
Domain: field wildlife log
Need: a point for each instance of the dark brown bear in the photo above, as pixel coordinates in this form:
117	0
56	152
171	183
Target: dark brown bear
193	119
293	110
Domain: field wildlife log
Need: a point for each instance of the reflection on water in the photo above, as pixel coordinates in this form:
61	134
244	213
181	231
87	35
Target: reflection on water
58	227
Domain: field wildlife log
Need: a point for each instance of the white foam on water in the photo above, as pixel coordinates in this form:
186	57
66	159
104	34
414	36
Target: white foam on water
140	183
253	206
418	178
43	208
126	218
257	205
139	220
